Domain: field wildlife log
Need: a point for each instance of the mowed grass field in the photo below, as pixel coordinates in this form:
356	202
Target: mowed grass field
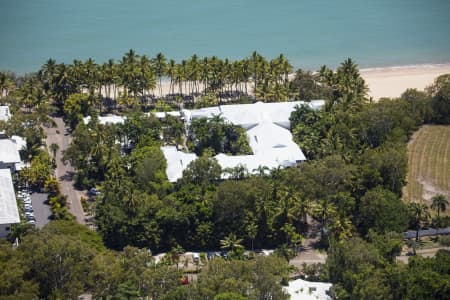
428	164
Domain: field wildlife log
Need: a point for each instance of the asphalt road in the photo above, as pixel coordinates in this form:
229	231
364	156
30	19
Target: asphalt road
41	209
64	172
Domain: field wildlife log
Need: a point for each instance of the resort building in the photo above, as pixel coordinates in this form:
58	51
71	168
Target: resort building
305	290
268	130
9	154
9	214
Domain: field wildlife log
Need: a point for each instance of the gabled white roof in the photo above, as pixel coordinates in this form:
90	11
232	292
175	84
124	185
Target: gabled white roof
5	114
9	213
248	115
305	290
9	152
177	161
267	128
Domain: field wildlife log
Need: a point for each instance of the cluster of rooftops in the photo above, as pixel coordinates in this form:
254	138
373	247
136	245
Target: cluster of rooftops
267	126
9	163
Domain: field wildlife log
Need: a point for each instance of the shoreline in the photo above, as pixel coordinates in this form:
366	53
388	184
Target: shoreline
393	81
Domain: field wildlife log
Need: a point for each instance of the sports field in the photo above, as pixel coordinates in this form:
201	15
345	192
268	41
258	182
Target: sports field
428	164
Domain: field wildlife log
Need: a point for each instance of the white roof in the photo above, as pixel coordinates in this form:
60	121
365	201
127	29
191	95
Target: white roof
162	115
5	114
20	142
9	213
305	290
177	161
111	119
249	115
9	152
268	133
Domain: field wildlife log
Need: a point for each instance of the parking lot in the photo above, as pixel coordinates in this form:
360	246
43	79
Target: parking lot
36	210
42	211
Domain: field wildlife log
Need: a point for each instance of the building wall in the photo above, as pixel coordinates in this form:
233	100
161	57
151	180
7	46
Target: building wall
10	166
4	230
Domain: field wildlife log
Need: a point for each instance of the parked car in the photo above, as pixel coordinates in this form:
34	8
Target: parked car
94	192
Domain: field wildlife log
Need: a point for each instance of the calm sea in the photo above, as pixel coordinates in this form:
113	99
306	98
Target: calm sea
309	32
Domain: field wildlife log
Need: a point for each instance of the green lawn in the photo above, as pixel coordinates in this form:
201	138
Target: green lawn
428	164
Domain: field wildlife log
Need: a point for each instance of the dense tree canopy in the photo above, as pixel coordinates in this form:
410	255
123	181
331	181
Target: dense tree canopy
349	188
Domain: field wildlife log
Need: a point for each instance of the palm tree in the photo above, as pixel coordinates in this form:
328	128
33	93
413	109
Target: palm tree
252	231
147	75
54	148
160	65
109	77
90	76
231	242
323	212
255	65
171	72
205	73
419	214
47	74
194	72
439	203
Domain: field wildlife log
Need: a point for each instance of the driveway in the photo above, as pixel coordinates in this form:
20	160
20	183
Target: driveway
64	172
41	209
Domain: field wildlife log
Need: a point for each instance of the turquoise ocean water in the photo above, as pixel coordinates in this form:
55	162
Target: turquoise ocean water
309	32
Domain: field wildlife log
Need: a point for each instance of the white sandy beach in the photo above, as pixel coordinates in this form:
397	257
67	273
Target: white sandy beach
393	81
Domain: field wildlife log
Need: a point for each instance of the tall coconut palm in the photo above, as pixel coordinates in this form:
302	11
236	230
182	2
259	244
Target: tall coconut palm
109	77
255	60
171	72
205	70
90	76
182	73
194	72
147	79
419	215
47	74
160	65
439	203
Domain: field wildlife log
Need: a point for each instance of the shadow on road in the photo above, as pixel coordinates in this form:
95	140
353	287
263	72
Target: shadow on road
67	177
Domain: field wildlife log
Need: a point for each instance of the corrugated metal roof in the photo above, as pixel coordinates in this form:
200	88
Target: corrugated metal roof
9	213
